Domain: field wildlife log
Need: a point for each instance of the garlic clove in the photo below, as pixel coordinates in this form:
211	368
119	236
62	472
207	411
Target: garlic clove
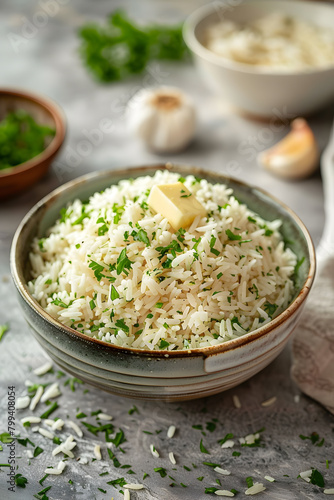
164	118
295	156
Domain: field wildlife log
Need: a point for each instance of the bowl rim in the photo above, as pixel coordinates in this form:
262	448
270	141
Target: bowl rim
59	118
197	352
200	50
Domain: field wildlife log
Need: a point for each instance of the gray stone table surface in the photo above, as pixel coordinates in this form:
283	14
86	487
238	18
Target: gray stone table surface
45	59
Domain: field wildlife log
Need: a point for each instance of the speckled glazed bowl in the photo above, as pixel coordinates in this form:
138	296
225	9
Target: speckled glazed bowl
162	375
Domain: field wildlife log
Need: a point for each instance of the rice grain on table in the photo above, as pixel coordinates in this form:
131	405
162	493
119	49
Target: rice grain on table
112	269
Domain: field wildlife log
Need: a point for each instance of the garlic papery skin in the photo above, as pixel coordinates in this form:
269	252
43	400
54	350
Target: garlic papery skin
164	118
295	156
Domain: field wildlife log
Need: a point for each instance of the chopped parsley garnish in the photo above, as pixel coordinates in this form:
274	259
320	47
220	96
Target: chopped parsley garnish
102	229
236	454
314	437
161	471
211	489
212	244
41	494
249	481
37	451
61	303
202	448
132	410
251	219
72	381
210	426
181	179
123	263
20	480
317	478
114	293
163	344
120	482
120	323
270	308
92	304
50	410
232	236
141	235
81	415
226	438
3	330
64	215
79	220
118	211
159	305
186	195
97	268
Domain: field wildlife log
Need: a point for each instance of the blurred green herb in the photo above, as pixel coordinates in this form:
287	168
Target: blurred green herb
21	138
120	48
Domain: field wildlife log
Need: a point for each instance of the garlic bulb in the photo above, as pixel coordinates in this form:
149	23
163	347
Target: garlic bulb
296	156
163	118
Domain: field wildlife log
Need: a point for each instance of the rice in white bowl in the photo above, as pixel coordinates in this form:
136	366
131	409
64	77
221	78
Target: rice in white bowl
112	269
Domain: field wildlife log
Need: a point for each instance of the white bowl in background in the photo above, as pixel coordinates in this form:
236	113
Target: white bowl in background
257	89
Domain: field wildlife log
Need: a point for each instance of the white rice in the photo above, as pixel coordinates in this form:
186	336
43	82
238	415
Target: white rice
31	419
22	402
224	472
202	299
269	402
35	400
228	444
97	452
275	40
104	416
42	370
224	493
171	431
75	427
51	392
154	452
255	489
171	457
46	433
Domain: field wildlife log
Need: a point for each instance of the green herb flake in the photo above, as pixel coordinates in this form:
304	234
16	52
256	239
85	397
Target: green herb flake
202	448
133	410
249	481
3	330
159	305
270	308
123	263
317	478
161	471
211	489
236	454
38	451
114	293
81	415
50	410
120	323
20	480
232	236
163	344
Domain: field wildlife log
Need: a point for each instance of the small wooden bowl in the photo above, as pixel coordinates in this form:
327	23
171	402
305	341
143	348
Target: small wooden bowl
45	112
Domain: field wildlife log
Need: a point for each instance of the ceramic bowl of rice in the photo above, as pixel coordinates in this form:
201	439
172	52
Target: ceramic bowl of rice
271	58
120	299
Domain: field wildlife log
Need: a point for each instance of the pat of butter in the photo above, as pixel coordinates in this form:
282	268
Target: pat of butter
176	203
